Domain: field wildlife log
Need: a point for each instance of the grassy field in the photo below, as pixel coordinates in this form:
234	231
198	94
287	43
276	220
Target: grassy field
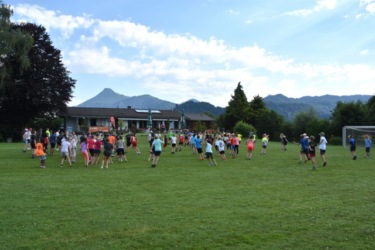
269	202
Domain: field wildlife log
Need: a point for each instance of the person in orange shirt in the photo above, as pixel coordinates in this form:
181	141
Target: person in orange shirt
39	151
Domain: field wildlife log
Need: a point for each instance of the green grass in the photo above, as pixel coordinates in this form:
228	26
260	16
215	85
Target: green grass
270	202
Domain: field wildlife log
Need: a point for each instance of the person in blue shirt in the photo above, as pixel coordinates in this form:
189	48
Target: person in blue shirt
52	141
304	143
368	144
353	147
198	145
156	150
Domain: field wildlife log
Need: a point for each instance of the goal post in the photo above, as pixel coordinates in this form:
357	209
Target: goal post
358	133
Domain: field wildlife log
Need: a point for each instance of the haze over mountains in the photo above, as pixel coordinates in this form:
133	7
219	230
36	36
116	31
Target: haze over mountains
285	106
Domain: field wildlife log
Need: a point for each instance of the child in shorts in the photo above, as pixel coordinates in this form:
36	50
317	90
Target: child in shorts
353	147
250	147
368	144
312	145
39	151
209	154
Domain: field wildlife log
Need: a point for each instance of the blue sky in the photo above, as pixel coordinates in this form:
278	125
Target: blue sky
178	50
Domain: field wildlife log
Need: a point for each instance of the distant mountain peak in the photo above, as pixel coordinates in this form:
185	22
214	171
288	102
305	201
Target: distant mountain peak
192	100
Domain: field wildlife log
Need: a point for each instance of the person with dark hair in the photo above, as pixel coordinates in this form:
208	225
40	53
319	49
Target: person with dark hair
108	147
353	147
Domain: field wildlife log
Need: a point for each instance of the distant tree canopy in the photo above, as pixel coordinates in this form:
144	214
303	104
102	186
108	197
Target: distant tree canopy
13	42
41	90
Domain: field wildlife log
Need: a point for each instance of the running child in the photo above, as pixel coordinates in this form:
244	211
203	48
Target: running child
65	147
250	147
108	147
312	146
209	154
156	144
174	143
181	140
134	142
84	150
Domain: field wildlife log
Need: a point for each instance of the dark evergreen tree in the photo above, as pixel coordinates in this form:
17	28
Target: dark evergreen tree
43	89
237	109
257	111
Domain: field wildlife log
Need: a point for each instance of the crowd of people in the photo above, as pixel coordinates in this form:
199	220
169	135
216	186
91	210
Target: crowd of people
42	143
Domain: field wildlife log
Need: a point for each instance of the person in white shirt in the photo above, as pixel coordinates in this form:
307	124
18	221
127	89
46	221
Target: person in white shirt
322	147
65	147
209	154
174	143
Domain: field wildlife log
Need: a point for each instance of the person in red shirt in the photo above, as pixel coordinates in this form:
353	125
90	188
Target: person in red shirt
181	140
134	142
91	148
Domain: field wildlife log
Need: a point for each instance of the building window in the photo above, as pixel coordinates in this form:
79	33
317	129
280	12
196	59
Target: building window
93	122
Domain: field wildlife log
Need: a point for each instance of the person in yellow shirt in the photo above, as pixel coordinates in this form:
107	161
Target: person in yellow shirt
239	136
39	151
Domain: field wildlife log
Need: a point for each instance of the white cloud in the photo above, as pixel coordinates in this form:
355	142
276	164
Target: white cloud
160	60
323	4
232	12
364	52
52	19
370	5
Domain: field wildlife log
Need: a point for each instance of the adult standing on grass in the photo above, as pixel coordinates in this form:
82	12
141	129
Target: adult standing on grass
353	147
26	139
39	151
322	147
157	144
368	144
65	148
108	147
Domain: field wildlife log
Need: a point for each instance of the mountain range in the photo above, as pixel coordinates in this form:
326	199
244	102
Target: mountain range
283	105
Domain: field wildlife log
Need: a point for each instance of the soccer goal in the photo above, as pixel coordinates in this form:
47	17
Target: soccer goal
358	133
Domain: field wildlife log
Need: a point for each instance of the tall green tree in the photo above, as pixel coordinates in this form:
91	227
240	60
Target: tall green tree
237	108
271	123
257	110
301	120
43	89
347	114
13	42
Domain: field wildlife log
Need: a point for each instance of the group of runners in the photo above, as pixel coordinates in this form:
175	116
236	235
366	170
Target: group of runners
47	142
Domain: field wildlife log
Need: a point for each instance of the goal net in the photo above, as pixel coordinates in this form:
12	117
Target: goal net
358	133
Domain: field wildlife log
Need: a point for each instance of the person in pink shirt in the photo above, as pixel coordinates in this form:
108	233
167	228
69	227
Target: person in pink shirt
84	151
98	145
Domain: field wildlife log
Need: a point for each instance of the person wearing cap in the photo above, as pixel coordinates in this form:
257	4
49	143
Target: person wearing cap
353	146
368	144
322	147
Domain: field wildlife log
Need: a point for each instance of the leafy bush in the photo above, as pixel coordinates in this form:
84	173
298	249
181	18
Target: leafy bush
243	128
335	140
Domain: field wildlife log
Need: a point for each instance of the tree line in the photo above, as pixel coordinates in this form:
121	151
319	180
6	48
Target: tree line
242	116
